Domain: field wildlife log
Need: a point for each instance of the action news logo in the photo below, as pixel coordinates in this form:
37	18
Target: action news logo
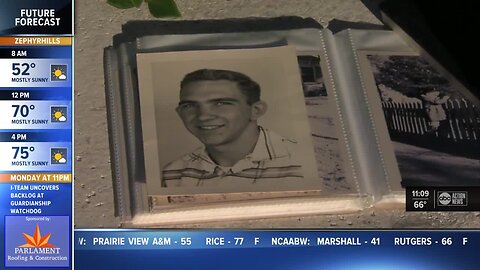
26	246
452	198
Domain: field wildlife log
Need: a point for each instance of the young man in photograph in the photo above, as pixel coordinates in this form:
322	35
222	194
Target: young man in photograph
221	108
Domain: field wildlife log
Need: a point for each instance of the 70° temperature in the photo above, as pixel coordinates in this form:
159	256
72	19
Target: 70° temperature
23	110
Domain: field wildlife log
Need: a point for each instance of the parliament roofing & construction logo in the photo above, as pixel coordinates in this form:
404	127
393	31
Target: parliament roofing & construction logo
27	246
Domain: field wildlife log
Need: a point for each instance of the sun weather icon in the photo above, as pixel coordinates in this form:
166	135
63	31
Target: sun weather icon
59	155
59	72
58	114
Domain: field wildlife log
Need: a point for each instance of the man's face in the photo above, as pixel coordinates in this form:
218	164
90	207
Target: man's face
216	112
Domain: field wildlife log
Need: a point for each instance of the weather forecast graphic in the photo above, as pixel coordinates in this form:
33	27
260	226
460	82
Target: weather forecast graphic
36	133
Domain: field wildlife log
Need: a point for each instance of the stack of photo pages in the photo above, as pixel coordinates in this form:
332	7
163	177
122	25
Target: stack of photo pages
219	120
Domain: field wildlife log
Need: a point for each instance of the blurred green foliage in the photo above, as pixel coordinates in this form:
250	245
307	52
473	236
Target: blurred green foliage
158	8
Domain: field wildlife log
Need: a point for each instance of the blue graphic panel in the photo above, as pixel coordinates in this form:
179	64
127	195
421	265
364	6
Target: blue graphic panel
149	249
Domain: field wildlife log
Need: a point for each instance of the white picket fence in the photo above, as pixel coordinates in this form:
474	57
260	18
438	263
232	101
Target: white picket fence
462	123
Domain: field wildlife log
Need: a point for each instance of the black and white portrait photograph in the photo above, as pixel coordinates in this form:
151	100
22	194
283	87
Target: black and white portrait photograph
225	121
433	125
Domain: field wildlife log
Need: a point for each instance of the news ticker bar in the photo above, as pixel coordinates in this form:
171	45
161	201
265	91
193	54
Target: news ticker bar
151	239
149	249
443	198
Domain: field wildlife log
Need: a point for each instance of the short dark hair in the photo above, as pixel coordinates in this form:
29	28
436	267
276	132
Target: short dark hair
249	88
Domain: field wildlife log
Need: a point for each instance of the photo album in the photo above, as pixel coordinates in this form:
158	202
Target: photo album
267	117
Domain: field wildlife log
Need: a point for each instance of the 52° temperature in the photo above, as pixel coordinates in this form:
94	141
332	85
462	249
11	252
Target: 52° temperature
22	68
